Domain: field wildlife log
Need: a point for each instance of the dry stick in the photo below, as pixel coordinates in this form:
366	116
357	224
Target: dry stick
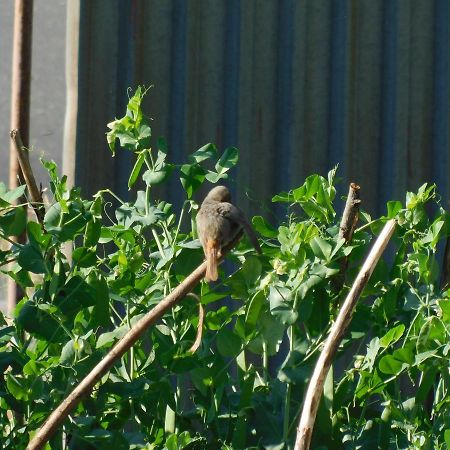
85	386
201	320
35	194
315	387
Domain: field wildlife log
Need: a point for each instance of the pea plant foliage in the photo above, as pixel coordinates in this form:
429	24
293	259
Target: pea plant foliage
265	322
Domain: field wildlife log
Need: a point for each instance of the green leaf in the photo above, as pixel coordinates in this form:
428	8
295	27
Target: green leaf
393	207
432	334
309	189
390	365
93	232
66	225
110	337
10	195
39	322
281	304
144	132
6	334
372	353
397	362
434	233
154	177
217	319
136	169
263	227
30	258
13	222
162	145
228	343
271	333
447	437
101	313
214	177
321	248
203	153
426	383
84	257
68	354
52	217
241	427
253	311
202	379
17	387
328	391
444	305
192	177
251	270
283	197
228	160
392	336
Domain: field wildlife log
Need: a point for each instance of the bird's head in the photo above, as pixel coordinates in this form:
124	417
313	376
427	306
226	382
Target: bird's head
219	194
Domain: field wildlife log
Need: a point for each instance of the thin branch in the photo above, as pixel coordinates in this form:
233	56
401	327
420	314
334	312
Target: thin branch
85	386
201	319
35	194
337	331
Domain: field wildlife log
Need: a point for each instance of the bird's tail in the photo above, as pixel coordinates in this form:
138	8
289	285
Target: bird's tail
212	256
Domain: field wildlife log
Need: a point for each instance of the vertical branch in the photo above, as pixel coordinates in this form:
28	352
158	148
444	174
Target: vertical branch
20	100
337	331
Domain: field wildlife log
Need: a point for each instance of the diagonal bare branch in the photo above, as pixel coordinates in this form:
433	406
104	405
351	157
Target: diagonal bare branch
337	331
85	386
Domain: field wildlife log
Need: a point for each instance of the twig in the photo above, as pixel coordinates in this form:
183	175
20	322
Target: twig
315	387
35	194
85	386
350	214
201	319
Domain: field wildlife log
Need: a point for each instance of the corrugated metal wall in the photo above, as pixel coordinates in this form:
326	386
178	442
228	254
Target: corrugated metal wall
297	85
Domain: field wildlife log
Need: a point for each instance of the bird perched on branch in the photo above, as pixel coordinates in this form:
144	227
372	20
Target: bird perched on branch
218	223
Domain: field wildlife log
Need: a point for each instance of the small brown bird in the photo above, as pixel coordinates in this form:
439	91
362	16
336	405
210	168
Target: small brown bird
218	223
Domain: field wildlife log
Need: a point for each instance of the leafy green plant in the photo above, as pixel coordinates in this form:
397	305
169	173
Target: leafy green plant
264	328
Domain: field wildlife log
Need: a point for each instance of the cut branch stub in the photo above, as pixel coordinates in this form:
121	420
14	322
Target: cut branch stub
350	215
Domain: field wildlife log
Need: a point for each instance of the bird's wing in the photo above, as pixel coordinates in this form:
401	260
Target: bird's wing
234	214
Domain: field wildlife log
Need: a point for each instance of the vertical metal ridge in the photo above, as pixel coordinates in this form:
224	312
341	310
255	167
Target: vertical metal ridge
283	120
125	78
230	90
338	91
176	131
386	177
178	79
441	98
